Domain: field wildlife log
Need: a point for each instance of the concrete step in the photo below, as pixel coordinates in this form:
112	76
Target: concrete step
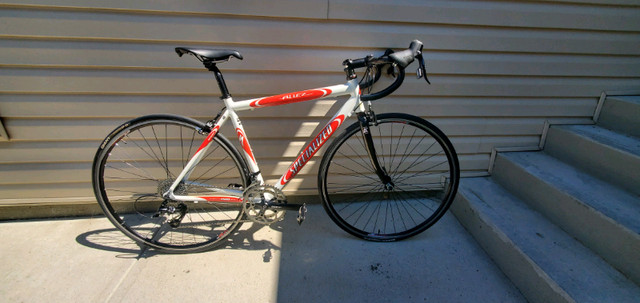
621	113
609	155
604	217
544	262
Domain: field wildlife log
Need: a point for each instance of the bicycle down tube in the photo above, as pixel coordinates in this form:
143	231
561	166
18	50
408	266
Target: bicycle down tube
352	105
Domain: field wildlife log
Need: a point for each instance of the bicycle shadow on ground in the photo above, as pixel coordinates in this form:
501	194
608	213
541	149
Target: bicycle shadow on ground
111	239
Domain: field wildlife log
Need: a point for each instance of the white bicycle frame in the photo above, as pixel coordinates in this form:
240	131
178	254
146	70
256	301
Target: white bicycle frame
351	106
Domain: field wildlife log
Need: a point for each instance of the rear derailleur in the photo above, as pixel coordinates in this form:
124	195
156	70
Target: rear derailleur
175	212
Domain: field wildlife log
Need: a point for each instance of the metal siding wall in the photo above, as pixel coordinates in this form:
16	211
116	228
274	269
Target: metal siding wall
71	71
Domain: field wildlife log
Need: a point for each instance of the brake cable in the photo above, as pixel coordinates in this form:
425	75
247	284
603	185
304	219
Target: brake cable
368	79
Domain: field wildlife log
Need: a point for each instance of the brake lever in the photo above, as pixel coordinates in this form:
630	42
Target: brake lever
391	70
422	70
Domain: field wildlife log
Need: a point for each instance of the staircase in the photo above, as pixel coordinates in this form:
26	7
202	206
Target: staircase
564	223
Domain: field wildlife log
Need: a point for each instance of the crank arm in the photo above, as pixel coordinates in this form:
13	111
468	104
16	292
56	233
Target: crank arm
285	206
300	208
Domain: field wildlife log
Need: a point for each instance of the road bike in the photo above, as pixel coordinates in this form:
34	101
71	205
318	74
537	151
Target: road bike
178	185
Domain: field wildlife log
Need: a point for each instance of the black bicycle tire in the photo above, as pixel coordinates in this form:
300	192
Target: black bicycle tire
432	130
100	192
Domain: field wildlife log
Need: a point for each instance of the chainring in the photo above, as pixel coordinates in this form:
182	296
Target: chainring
256	199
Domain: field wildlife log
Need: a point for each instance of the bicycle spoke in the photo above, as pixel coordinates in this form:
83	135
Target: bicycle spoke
367	163
214	166
347	188
166	163
406	154
349	203
182	158
356	173
395	152
422	173
152	151
402	202
418	198
137	193
193	136
129	160
130	173
419	157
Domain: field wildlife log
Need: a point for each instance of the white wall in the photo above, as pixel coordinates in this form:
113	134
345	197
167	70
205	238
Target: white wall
72	70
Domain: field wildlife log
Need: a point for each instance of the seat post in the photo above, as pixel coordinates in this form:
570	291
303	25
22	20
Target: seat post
211	66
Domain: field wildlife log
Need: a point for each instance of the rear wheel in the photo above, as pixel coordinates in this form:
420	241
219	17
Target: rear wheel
424	172
140	160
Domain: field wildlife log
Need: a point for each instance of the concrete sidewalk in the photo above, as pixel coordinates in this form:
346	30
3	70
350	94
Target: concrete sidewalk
87	260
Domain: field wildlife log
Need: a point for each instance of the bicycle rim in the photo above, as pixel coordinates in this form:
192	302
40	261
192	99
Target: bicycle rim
137	164
423	167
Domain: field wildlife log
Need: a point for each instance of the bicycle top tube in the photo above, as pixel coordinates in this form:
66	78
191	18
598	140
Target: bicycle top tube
350	88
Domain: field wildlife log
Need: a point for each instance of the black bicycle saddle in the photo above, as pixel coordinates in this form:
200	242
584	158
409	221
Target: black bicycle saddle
209	54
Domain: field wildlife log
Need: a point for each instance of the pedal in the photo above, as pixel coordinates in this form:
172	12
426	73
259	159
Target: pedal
302	213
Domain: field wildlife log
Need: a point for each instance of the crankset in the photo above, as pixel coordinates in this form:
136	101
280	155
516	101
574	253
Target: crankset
266	204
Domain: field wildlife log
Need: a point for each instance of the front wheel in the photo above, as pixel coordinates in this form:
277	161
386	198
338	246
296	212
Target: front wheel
422	165
140	160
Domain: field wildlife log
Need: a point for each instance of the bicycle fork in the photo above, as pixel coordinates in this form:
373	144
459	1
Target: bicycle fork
365	118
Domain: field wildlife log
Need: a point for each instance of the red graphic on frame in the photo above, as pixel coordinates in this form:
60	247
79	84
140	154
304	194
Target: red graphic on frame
291	97
245	144
312	149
